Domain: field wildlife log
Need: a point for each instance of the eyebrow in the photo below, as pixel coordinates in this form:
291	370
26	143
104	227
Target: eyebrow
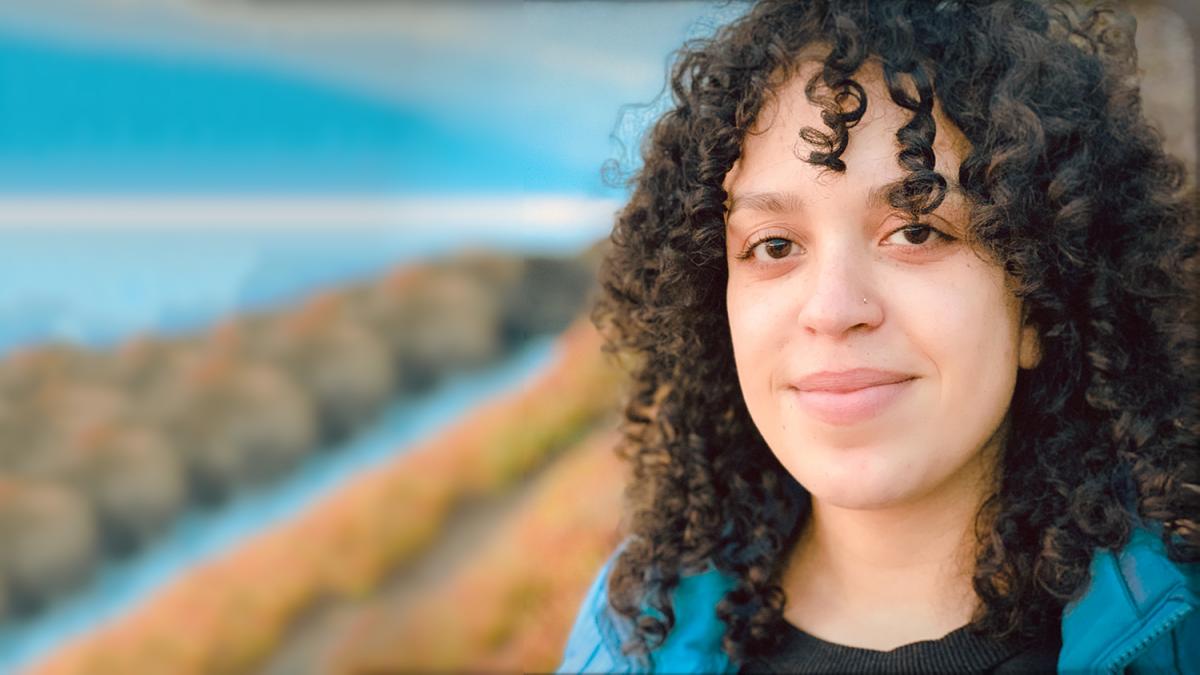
789	202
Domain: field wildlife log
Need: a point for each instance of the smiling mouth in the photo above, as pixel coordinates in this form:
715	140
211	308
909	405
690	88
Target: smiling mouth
843	405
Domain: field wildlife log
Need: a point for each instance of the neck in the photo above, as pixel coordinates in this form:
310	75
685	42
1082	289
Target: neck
882	578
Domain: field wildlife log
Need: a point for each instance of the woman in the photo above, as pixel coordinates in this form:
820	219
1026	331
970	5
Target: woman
909	288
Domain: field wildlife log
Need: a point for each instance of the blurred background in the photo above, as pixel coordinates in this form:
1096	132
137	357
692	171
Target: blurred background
295	369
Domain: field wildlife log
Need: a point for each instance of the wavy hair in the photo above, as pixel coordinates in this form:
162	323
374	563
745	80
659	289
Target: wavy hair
1072	194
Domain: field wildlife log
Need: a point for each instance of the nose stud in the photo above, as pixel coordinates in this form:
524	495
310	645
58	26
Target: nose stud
864	301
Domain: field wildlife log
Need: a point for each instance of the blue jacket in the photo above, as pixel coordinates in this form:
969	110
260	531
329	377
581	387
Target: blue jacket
1139	613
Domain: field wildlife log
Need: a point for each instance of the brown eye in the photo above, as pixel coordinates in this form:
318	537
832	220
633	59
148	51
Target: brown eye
774	248
771	248
777	248
917	234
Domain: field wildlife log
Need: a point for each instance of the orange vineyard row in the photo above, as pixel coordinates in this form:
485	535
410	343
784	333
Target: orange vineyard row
229	615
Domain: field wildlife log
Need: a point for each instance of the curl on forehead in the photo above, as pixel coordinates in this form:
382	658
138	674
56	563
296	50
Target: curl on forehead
928	145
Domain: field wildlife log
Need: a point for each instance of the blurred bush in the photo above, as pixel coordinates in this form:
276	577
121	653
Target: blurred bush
101	451
233	614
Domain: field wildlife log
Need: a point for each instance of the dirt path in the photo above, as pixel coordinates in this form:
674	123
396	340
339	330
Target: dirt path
309	643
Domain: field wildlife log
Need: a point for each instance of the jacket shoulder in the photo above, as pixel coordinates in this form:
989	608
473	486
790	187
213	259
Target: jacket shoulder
596	637
1140	611
693	645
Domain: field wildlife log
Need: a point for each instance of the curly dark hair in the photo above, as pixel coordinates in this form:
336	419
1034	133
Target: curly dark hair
1072	194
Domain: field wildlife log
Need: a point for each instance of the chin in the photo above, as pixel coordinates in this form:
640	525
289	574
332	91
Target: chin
858	499
855	480
858	496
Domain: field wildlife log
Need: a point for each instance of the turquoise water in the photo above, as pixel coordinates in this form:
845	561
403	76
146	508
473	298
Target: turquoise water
202	535
99	96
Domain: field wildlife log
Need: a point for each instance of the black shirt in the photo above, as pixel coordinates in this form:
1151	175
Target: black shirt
960	651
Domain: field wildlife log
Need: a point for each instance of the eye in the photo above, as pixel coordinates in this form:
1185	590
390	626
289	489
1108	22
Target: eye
917	234
771	247
775	247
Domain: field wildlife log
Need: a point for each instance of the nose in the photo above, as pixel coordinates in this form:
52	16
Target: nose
841	298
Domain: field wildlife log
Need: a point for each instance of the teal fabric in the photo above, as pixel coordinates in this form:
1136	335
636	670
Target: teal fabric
1139	614
694	646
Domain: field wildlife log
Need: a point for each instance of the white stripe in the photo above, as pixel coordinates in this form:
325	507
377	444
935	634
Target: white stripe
527	212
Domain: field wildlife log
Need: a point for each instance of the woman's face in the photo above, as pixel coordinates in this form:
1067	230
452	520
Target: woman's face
877	358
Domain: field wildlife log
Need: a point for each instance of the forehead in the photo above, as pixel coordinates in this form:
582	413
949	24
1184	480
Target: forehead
773	151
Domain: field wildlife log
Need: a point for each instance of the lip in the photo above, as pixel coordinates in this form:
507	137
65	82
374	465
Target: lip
850	396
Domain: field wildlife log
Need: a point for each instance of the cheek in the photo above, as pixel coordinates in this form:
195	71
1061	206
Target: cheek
966	319
968	332
754	317
754	328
